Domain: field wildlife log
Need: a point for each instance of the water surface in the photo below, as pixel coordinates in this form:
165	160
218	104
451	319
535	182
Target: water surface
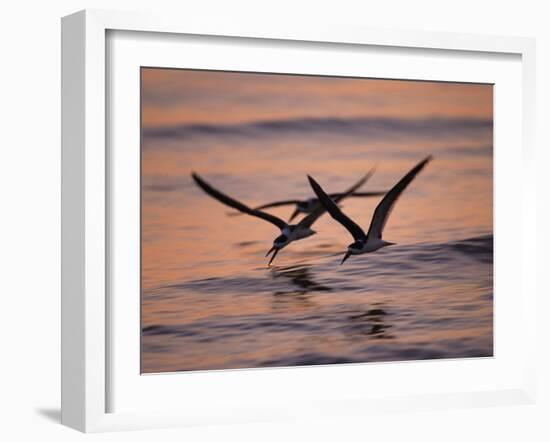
209	301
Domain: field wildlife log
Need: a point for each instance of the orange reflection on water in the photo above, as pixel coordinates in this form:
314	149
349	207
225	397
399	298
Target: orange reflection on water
209	301
172	96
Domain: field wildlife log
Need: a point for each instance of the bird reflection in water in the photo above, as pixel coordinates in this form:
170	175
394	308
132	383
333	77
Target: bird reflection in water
303	284
372	323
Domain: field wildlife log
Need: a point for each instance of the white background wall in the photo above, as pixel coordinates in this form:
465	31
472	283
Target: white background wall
30	215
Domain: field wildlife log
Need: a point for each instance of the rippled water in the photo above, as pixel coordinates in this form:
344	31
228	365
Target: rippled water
439	305
209	301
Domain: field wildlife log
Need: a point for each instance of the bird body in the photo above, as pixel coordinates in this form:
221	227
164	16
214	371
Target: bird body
294	232
360	247
308	205
371	241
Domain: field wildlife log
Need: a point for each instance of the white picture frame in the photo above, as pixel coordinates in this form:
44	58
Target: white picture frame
86	202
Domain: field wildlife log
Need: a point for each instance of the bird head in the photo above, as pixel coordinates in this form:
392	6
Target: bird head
279	242
353	249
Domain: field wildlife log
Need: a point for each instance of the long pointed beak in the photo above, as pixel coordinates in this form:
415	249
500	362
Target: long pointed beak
275	251
294	214
346	256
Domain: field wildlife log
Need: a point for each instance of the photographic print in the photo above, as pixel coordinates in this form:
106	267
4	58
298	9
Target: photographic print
297	220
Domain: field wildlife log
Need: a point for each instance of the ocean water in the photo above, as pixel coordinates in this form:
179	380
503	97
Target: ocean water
209	300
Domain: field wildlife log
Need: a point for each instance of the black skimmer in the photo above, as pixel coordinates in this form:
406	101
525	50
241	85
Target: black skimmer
372	241
289	232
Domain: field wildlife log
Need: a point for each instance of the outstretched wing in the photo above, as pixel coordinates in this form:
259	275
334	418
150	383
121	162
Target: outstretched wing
332	196
277	204
221	197
358	194
335	211
328	204
269	205
384	208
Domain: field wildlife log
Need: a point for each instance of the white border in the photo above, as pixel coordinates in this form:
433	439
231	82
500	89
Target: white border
84	358
130	392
